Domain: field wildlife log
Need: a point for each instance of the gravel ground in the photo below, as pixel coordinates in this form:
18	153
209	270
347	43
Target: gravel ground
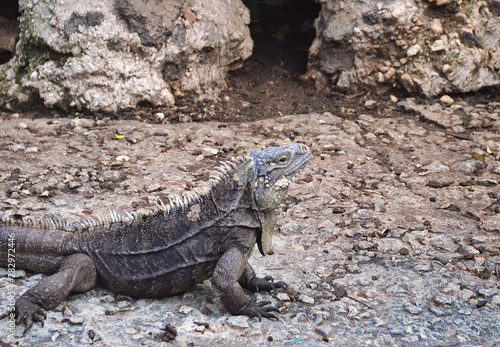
390	236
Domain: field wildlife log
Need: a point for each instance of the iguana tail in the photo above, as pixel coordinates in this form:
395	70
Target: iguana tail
34	249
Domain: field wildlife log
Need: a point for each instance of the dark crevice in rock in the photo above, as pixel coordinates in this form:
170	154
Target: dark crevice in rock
9	9
9	29
283	31
171	71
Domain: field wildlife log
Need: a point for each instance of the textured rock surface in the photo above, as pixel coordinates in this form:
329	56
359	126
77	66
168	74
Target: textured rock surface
121	53
373	255
425	47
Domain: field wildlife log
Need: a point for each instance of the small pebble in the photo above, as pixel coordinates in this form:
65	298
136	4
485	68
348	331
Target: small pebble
352	312
82	123
200	328
446	99
282	297
442	300
436	26
423	266
440	312
468	167
228	147
370	103
107	298
31	150
185	309
464	311
209	152
306	298
378	322
413	50
415	310
365	245
446	68
440	182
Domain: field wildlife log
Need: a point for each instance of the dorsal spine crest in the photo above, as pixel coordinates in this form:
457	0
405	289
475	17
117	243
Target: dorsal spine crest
175	203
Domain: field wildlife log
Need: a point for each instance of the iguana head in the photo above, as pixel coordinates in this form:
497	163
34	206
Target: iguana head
274	168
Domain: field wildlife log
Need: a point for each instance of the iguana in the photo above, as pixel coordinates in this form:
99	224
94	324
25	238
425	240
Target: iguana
209	232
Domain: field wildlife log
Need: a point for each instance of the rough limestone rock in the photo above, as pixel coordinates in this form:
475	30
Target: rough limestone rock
103	55
427	47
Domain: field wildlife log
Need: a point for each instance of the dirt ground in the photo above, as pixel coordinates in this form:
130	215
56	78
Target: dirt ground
390	236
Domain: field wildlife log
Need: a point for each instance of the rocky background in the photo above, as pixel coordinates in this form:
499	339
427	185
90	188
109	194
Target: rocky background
426	47
107	55
390	236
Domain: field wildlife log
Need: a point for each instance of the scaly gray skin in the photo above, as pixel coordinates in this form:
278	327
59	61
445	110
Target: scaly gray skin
207	233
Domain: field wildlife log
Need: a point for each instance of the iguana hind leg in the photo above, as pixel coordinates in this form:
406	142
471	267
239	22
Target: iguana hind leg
77	273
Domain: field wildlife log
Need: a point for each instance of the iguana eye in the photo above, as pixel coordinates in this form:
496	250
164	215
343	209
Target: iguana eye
283	159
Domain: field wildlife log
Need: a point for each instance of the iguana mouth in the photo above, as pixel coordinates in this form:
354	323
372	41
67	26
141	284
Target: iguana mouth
294	170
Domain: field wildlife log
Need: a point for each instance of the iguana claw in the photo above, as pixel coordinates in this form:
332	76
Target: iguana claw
266	284
28	312
258	309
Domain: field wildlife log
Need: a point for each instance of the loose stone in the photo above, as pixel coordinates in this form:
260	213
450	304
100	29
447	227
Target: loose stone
442	300
440	182
31	150
446	99
306	298
209	152
440	312
240	322
413	50
283	297
82	123
468	166
185	309
413	309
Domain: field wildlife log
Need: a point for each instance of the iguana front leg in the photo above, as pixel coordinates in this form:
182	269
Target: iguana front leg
230	268
77	273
